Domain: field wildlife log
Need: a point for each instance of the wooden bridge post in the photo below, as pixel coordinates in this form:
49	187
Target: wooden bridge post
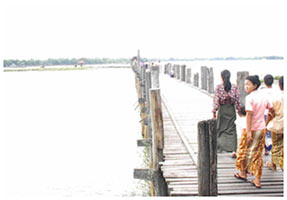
182	72
154	76
207	158
203	160
160	185
143	73
213	157
241	76
196	80
169	68
148	86
204	77
188	75
210	81
177	71
165	68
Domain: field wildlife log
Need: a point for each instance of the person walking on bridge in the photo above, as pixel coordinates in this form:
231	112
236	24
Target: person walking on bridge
226	98
275	124
269	94
252	140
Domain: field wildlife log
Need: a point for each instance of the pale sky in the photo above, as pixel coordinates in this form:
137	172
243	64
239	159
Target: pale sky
110	28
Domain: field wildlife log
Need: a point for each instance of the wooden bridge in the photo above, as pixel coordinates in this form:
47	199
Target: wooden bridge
183	107
175	168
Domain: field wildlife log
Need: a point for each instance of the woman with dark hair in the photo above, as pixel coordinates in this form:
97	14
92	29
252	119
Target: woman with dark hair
226	98
253	138
275	124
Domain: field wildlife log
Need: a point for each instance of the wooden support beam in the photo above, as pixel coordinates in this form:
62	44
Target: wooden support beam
203	160
157	127
210	81
141	100
182	72
144	142
213	157
154	76
207	158
188	75
160	185
144	174
196	80
203	75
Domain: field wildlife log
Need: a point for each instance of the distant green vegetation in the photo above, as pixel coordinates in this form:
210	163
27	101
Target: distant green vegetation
65	61
47	69
276	77
87	61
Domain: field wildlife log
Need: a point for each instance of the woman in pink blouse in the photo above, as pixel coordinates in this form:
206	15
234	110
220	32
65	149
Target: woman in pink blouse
226	98
252	140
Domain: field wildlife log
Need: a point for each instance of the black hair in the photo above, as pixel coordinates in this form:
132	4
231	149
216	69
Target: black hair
281	82
268	80
225	75
255	80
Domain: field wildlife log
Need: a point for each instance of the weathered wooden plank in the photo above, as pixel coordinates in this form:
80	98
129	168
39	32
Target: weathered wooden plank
170	168
254	191
180	133
256	195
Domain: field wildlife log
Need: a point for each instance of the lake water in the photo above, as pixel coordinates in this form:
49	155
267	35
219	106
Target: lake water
71	134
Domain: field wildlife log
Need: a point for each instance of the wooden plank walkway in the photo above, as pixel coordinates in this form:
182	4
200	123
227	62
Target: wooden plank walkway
183	107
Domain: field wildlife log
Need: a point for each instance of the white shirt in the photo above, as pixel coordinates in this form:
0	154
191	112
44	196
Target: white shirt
269	94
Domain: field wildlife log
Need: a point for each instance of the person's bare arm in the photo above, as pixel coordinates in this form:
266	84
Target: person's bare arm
270	115
249	115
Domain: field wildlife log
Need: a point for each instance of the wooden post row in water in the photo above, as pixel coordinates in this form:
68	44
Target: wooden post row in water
207	158
156	139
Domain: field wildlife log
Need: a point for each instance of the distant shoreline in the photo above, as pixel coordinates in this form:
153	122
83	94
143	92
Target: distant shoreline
61	68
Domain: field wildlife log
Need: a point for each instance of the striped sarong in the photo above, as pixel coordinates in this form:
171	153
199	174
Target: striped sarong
250	157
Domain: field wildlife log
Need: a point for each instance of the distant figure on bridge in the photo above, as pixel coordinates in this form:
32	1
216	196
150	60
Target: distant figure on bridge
171	73
226	98
252	140
275	124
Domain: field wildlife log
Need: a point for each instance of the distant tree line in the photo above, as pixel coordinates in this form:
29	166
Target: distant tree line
65	61
74	61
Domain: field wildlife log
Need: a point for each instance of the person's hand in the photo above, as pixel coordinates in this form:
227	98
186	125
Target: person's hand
249	138
239	113
279	136
214	115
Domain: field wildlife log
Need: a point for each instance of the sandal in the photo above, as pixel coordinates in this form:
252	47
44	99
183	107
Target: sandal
257	186
236	175
233	155
271	166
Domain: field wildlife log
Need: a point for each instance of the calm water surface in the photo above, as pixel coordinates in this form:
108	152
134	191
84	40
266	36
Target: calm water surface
71	134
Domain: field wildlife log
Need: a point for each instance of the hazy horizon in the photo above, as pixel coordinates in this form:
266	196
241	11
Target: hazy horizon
161	29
